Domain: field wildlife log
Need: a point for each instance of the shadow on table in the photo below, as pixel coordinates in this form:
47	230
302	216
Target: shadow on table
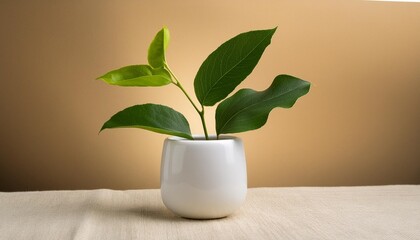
160	213
155	213
152	212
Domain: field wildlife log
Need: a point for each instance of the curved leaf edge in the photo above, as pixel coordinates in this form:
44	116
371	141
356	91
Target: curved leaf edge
108	124
156	130
203	100
168	78
306	89
159	44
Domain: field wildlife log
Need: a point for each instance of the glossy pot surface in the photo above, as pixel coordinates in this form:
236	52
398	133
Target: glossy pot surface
203	179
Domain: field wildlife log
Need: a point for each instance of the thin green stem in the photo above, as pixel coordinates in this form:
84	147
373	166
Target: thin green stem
203	121
178	84
200	112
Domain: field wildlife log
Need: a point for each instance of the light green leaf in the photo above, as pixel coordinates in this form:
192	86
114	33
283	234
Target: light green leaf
157	48
152	117
137	75
226	67
248	109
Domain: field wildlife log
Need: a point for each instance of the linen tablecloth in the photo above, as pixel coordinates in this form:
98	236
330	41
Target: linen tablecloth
375	212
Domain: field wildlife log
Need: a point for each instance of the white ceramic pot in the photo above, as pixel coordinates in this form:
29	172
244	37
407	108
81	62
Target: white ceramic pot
203	179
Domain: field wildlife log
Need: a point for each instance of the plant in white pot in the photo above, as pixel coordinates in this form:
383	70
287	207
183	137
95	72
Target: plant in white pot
205	176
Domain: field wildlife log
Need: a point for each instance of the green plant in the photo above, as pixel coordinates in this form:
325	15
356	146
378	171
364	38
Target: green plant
222	71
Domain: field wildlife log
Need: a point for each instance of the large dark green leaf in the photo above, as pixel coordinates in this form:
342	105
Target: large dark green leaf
157	49
137	75
229	65
152	117
248	109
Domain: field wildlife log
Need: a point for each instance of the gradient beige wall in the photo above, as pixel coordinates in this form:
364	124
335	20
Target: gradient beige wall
359	125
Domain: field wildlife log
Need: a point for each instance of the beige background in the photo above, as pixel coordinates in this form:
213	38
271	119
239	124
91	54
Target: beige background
359	125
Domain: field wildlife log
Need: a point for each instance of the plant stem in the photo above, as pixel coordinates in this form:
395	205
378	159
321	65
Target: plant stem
204	123
200	112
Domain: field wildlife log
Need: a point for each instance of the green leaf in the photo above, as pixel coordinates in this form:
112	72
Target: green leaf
137	75
152	117
157	48
248	109
226	67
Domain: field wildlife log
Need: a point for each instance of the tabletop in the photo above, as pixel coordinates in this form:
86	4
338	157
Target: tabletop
371	212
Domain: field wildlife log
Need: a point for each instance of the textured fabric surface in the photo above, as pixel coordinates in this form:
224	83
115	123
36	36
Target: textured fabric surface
377	212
